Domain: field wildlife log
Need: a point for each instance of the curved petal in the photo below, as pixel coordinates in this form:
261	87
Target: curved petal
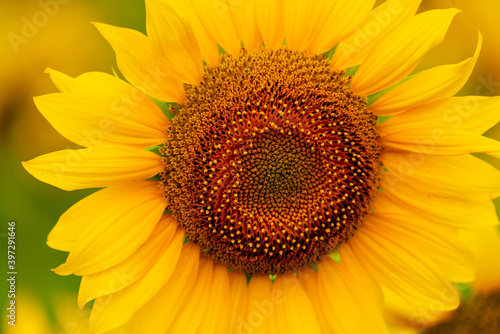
217	316
139	66
350	308
270	22
385	18
303	21
173	42
457	213
474	113
137	265
438	141
400	269
432	243
309	280
245	22
192	315
94	167
215	17
170	277
261	305
338	20
116	117
401	50
483	244
427	86
238	294
208	46
459	177
130	211
295	314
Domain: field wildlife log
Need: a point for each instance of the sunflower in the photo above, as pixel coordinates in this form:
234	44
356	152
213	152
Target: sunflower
248	184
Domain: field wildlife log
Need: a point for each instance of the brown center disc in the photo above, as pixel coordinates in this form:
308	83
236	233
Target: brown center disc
272	162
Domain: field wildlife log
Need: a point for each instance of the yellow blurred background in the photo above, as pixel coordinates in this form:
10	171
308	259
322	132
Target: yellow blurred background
37	34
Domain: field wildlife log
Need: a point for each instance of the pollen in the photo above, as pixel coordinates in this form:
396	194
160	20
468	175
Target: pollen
272	162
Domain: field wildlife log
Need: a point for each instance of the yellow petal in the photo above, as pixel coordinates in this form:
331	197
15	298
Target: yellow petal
215	16
137	63
217	316
170	277
261	305
130	211
347	305
295	314
309	280
464	176
449	212
474	113
270	22
400	269
438	141
427	86
401	50
208	46
238	294
90	120
337	21
191	316
432	243
94	167
385	18
484	243
304	19
127	272
244	17
173	42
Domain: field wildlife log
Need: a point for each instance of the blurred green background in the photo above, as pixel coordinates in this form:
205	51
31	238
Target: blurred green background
61	37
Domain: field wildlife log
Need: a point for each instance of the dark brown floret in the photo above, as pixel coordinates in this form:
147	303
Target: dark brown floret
272	163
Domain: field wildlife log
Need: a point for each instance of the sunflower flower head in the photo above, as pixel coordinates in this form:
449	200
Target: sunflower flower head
270	200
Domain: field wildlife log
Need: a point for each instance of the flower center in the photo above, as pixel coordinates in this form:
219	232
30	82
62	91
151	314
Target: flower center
272	162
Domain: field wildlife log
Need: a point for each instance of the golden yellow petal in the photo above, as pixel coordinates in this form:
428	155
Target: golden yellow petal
127	272
348	306
460	177
474	113
338	20
192	315
295	314
130	210
173	42
397	55
309	280
244	17
430	242
139	304
400	269
216	318
438	141
139	66
261	305
270	22
427	86
238	294
208	46
303	21
216	18
116	116
451	212
94	167
385	18
484	244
